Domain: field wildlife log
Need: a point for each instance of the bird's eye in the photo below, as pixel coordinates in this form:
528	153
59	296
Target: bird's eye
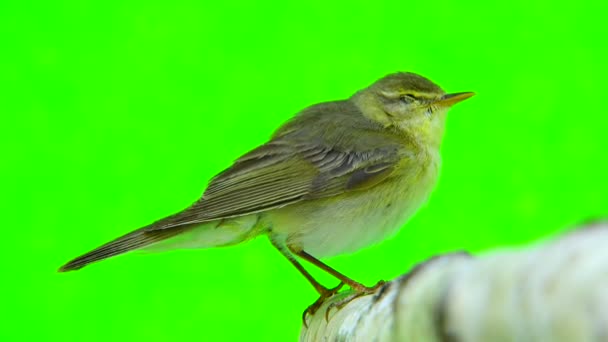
407	98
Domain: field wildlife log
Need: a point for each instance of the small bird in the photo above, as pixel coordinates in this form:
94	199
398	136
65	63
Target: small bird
337	177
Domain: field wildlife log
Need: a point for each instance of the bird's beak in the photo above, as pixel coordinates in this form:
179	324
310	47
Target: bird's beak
449	100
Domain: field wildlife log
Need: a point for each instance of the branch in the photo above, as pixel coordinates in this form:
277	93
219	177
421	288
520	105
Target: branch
556	290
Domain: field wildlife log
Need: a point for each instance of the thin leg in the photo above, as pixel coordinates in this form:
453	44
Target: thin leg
346	280
322	290
360	289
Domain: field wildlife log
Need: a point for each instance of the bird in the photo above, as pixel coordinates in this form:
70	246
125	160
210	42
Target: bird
335	178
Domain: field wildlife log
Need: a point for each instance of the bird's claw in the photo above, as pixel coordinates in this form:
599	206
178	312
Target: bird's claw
317	304
342	302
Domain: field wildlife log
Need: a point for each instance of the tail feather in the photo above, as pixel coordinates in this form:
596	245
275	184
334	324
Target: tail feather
131	241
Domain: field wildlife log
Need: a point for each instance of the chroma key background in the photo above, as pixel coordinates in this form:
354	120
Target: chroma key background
116	113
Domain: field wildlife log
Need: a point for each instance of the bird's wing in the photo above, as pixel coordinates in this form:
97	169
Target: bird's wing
281	173
274	175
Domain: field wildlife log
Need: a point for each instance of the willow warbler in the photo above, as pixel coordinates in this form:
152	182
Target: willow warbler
335	178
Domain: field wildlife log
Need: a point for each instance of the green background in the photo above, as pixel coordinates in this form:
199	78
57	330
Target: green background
116	113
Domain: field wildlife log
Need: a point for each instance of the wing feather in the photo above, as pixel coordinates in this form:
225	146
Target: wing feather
281	173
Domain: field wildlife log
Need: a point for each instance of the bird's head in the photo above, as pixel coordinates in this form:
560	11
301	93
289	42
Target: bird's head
410	103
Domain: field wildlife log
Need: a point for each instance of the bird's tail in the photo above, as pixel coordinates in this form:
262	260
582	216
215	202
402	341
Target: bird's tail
135	240
173	232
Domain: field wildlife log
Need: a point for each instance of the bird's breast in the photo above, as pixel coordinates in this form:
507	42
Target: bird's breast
351	221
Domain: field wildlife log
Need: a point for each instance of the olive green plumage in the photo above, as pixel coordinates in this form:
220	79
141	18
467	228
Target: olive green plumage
336	177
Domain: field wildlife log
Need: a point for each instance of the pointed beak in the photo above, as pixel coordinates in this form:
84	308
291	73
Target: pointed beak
449	100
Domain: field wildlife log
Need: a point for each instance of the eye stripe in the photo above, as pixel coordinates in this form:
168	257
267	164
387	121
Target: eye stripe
407	98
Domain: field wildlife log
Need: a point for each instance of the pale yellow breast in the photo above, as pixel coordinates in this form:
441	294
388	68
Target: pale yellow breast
355	220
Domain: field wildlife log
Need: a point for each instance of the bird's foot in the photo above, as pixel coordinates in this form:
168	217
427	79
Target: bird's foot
326	293
360	291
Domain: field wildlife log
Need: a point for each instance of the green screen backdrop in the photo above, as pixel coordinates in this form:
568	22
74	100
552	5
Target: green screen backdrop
116	113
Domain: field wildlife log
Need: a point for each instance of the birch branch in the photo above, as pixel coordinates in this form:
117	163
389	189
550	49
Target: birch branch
556	290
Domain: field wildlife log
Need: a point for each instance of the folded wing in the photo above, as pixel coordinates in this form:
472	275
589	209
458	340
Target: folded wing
281	173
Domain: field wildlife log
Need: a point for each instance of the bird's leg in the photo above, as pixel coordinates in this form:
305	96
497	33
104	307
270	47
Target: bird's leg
358	287
323	291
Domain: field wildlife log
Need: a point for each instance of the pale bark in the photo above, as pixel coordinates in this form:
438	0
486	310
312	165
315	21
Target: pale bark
555	290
